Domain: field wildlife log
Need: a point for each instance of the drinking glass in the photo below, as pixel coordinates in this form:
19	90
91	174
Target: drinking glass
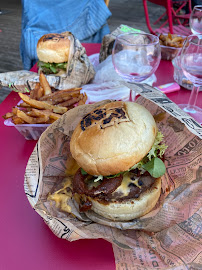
191	64
195	20
136	56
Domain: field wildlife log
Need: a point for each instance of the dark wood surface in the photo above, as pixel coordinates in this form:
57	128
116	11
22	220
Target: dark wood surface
129	12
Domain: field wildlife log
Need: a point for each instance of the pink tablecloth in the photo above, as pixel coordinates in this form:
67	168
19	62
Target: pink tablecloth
26	242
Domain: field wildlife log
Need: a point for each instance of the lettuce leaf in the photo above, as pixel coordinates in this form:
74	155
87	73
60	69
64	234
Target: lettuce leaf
155	167
157	148
151	162
83	172
52	68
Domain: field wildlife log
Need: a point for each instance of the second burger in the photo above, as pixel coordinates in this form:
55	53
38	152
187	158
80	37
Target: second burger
53	53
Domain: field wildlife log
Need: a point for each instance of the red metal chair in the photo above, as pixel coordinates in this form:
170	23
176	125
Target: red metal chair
173	17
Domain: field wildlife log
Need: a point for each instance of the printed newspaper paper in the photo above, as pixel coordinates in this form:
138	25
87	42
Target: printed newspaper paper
79	72
169	237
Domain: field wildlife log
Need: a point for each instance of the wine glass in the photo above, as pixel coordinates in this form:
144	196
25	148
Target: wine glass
195	20
191	64
136	56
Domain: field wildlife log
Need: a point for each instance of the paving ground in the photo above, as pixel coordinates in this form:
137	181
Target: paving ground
129	12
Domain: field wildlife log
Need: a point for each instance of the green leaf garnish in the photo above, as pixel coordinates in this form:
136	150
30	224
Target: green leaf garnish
114	175
49	68
62	65
83	172
157	148
155	167
151	162
54	70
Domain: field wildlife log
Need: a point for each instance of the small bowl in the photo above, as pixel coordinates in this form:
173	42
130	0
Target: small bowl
30	132
169	53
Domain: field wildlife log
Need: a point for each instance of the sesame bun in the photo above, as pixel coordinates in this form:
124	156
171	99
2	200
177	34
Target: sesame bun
112	138
53	48
129	209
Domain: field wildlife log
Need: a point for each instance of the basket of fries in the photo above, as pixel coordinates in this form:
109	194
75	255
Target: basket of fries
41	107
170	44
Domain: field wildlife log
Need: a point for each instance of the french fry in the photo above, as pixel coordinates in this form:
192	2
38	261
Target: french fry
50	121
177	39
44	83
14	110
17	120
23	105
64	97
61	94
50	114
162	37
171	40
42	105
30	113
71	101
8	115
33	92
48	101
32	120
169	36
40	93
83	100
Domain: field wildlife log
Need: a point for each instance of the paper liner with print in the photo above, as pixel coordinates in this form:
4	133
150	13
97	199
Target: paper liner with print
79	72
169	236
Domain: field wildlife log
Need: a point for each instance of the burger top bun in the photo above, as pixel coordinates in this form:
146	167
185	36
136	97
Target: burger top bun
112	138
53	48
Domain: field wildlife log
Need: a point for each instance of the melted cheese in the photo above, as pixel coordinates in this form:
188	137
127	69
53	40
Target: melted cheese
62	196
124	187
135	182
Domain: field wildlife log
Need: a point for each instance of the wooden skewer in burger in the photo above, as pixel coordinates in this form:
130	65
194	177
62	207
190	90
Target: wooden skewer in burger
119	152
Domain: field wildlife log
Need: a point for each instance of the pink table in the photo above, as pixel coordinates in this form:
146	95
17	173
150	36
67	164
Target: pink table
26	241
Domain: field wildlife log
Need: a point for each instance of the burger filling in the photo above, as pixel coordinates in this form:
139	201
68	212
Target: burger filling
52	68
124	185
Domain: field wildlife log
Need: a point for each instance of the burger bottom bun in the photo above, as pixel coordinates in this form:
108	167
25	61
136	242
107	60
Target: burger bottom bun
130	209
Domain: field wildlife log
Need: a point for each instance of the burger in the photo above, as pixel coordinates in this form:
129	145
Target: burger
119	152
53	52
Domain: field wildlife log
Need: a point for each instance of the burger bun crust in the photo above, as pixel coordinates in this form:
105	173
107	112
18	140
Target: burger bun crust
113	138
53	48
